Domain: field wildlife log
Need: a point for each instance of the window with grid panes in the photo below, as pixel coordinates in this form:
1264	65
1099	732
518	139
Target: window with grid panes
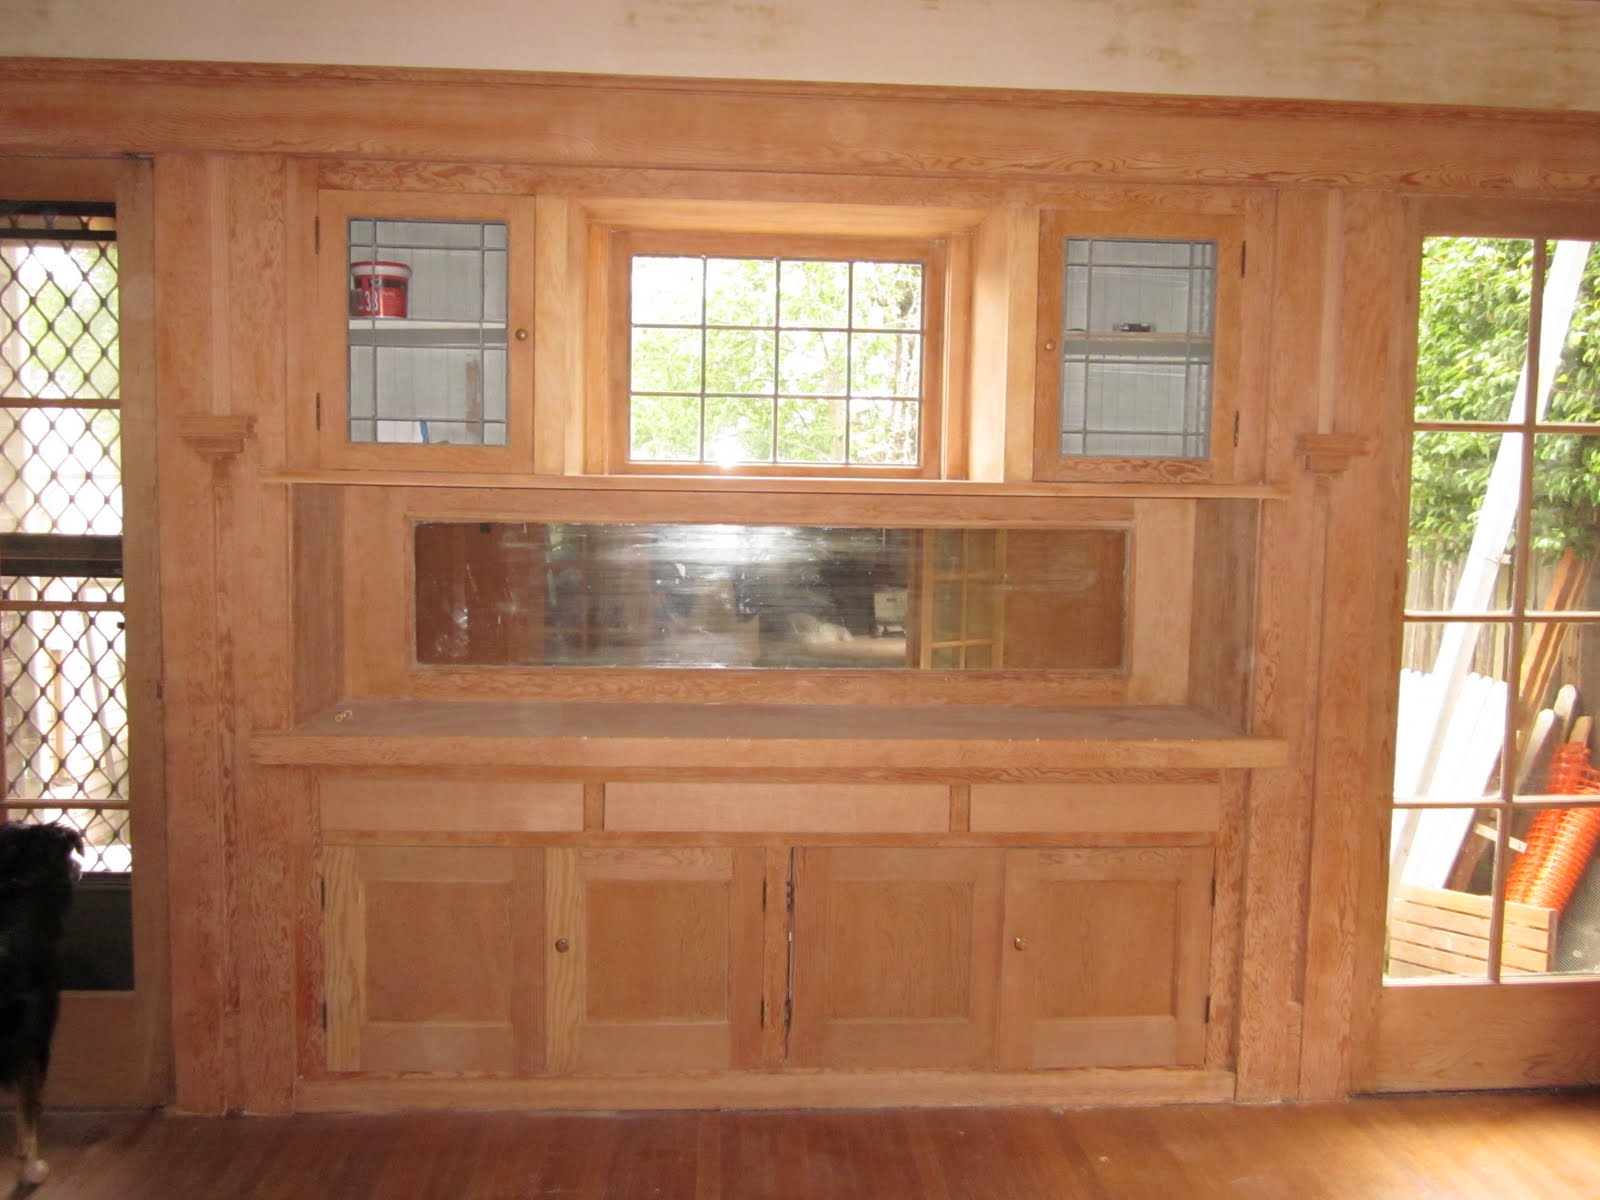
1497	799
780	357
62	640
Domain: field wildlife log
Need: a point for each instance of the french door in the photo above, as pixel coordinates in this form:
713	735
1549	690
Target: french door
1492	947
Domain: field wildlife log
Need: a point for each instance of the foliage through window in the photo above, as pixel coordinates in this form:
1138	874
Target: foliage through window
776	361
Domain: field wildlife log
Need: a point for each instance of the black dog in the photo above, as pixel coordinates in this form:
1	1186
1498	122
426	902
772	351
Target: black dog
37	873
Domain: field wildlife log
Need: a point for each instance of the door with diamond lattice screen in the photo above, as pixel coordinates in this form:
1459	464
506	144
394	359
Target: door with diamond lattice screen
73	649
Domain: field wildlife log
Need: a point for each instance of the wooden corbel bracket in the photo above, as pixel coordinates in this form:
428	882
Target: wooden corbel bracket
1329	454
216	436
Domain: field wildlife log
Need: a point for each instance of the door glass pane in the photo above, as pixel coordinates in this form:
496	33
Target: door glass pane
1438	925
427	332
1472	333
1136	347
1569	374
1465	489
1564	522
1453	697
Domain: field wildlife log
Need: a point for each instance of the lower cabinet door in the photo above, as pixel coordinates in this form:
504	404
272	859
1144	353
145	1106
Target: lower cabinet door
654	958
432	961
1105	957
894	961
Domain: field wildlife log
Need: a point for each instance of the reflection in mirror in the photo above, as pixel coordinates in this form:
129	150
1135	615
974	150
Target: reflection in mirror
564	594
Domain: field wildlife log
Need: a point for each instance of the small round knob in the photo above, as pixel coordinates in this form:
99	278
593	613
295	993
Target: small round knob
1021	943
522	335
562	945
1050	345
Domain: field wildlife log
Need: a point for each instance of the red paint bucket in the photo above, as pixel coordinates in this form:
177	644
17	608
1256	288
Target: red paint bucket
378	289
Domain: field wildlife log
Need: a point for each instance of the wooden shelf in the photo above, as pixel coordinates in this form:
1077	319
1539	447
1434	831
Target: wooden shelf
716	738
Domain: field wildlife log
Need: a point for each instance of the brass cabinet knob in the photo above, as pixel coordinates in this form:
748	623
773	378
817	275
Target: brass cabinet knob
1021	943
562	945
522	335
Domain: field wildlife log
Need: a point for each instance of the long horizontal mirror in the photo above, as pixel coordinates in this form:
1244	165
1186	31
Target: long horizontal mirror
770	596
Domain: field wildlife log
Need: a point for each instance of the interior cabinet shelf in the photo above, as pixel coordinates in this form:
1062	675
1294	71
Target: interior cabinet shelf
1119	344
412	334
959	740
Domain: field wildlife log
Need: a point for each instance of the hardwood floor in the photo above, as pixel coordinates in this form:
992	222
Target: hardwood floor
1500	1146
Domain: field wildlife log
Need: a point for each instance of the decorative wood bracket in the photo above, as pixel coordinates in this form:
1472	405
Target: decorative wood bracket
1329	454
216	436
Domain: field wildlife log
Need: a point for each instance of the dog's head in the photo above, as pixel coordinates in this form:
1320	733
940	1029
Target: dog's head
34	856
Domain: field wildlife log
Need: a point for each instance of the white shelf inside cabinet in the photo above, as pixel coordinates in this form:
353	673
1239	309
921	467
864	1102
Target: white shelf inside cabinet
409	333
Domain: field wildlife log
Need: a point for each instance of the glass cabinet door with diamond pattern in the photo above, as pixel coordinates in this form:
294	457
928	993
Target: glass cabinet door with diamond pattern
425	323
1139	343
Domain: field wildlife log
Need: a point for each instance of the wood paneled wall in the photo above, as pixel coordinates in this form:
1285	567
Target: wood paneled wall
233	147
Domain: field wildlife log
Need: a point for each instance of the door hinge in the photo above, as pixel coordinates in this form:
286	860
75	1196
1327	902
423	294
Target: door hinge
1244	251
763	1012
1208	1010
1236	430
763	895
319	412
324	1016
322	886
316	235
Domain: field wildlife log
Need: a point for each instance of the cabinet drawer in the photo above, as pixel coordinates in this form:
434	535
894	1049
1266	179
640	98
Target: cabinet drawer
1096	807
778	807
375	804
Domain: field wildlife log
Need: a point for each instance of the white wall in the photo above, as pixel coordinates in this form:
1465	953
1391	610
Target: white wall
1529	53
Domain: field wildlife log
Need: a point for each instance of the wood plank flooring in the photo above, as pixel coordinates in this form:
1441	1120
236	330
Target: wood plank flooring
1498	1146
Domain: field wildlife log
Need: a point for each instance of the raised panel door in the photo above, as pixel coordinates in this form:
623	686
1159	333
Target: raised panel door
895	957
1105	957
654	957
430	955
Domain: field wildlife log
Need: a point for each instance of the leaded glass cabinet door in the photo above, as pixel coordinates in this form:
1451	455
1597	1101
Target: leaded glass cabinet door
427	308
1139	330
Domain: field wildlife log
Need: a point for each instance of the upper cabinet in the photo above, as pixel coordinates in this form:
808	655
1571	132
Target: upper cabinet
423	332
1142	373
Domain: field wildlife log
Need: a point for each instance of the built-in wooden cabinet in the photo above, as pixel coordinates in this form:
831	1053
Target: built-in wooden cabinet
489	954
1016	958
1145	369
737	780
423	333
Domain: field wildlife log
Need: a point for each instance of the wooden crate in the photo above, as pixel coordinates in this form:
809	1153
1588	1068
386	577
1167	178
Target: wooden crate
1434	931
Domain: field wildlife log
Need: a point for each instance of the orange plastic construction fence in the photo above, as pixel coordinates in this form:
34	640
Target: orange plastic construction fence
1560	840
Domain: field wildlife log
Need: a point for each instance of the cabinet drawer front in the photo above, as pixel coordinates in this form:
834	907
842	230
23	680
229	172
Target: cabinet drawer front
778	807
373	804
1096	807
